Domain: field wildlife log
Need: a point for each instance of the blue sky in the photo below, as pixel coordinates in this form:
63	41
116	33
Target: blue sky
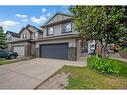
13	18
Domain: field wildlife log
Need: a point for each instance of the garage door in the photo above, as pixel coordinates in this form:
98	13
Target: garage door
20	50
55	51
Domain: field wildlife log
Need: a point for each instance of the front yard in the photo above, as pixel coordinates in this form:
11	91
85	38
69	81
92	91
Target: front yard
86	78
4	61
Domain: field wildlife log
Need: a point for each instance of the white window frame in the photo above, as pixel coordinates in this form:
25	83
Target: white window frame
24	36
65	26
51	32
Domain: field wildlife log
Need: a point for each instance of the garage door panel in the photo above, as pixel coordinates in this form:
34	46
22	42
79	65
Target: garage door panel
56	51
20	50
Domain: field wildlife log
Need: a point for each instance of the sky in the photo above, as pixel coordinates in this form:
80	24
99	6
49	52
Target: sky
14	18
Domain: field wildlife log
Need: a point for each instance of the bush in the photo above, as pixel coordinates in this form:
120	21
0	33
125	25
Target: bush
103	65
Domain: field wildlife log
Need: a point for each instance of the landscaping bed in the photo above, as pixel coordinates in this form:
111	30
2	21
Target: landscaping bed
88	78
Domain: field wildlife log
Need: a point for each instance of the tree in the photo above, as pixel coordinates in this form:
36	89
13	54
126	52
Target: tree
2	38
101	23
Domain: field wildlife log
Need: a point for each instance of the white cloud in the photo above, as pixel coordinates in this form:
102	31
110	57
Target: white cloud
48	14
44	10
21	16
8	24
38	20
25	20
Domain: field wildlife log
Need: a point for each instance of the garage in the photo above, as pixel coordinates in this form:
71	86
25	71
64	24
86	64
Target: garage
54	51
20	50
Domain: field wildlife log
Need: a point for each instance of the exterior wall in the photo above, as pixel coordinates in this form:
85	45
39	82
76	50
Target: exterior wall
33	49
12	38
72	48
28	34
58	17
58	31
9	47
78	49
40	35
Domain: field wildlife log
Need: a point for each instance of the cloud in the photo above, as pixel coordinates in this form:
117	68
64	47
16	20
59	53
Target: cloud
48	14
21	16
8	24
44	10
38	20
25	20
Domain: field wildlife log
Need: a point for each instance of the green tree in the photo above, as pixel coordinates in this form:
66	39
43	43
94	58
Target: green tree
101	23
2	38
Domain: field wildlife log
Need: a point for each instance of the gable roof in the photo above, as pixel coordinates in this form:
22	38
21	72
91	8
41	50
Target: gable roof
13	34
55	15
38	30
27	28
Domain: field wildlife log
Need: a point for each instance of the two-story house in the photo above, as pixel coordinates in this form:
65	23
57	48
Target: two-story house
24	45
60	40
11	37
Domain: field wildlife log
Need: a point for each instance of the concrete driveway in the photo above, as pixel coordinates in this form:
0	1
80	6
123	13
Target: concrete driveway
29	74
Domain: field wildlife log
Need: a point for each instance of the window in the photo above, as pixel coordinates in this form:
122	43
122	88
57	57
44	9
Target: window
24	36
9	38
51	31
35	35
66	27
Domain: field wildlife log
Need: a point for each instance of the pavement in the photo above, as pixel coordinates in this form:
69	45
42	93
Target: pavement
118	57
29	74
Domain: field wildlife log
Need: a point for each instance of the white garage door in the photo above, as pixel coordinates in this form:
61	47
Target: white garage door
20	50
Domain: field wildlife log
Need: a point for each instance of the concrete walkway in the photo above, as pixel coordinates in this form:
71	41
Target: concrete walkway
118	57
29	74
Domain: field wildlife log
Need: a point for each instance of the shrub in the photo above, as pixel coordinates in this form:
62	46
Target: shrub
103	65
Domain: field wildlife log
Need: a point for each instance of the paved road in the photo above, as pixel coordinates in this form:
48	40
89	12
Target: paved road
29	74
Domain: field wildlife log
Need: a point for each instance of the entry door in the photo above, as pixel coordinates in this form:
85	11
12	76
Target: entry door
55	51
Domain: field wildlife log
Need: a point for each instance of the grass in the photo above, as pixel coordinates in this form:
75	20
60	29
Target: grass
4	61
86	78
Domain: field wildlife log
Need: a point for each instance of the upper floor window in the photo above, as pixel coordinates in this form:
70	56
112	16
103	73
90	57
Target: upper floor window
24	36
51	31
9	38
66	27
35	35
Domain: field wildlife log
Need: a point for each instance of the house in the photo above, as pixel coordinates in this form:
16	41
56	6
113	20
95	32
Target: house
11	36
24	45
58	40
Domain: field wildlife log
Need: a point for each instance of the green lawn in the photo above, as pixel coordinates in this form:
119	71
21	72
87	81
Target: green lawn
86	78
4	61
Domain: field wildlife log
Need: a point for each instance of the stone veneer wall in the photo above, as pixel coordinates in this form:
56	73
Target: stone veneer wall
37	52
72	53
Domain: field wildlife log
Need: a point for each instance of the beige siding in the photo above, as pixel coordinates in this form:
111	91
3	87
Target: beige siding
40	35
72	42
58	30
27	32
58	17
12	38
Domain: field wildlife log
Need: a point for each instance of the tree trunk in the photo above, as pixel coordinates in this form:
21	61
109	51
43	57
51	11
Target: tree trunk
103	54
103	48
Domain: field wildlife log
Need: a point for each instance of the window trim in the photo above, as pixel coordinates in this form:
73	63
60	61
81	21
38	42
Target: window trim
48	34
24	35
65	31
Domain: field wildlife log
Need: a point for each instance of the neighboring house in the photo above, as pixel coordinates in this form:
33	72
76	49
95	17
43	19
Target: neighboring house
11	37
58	40
24	46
